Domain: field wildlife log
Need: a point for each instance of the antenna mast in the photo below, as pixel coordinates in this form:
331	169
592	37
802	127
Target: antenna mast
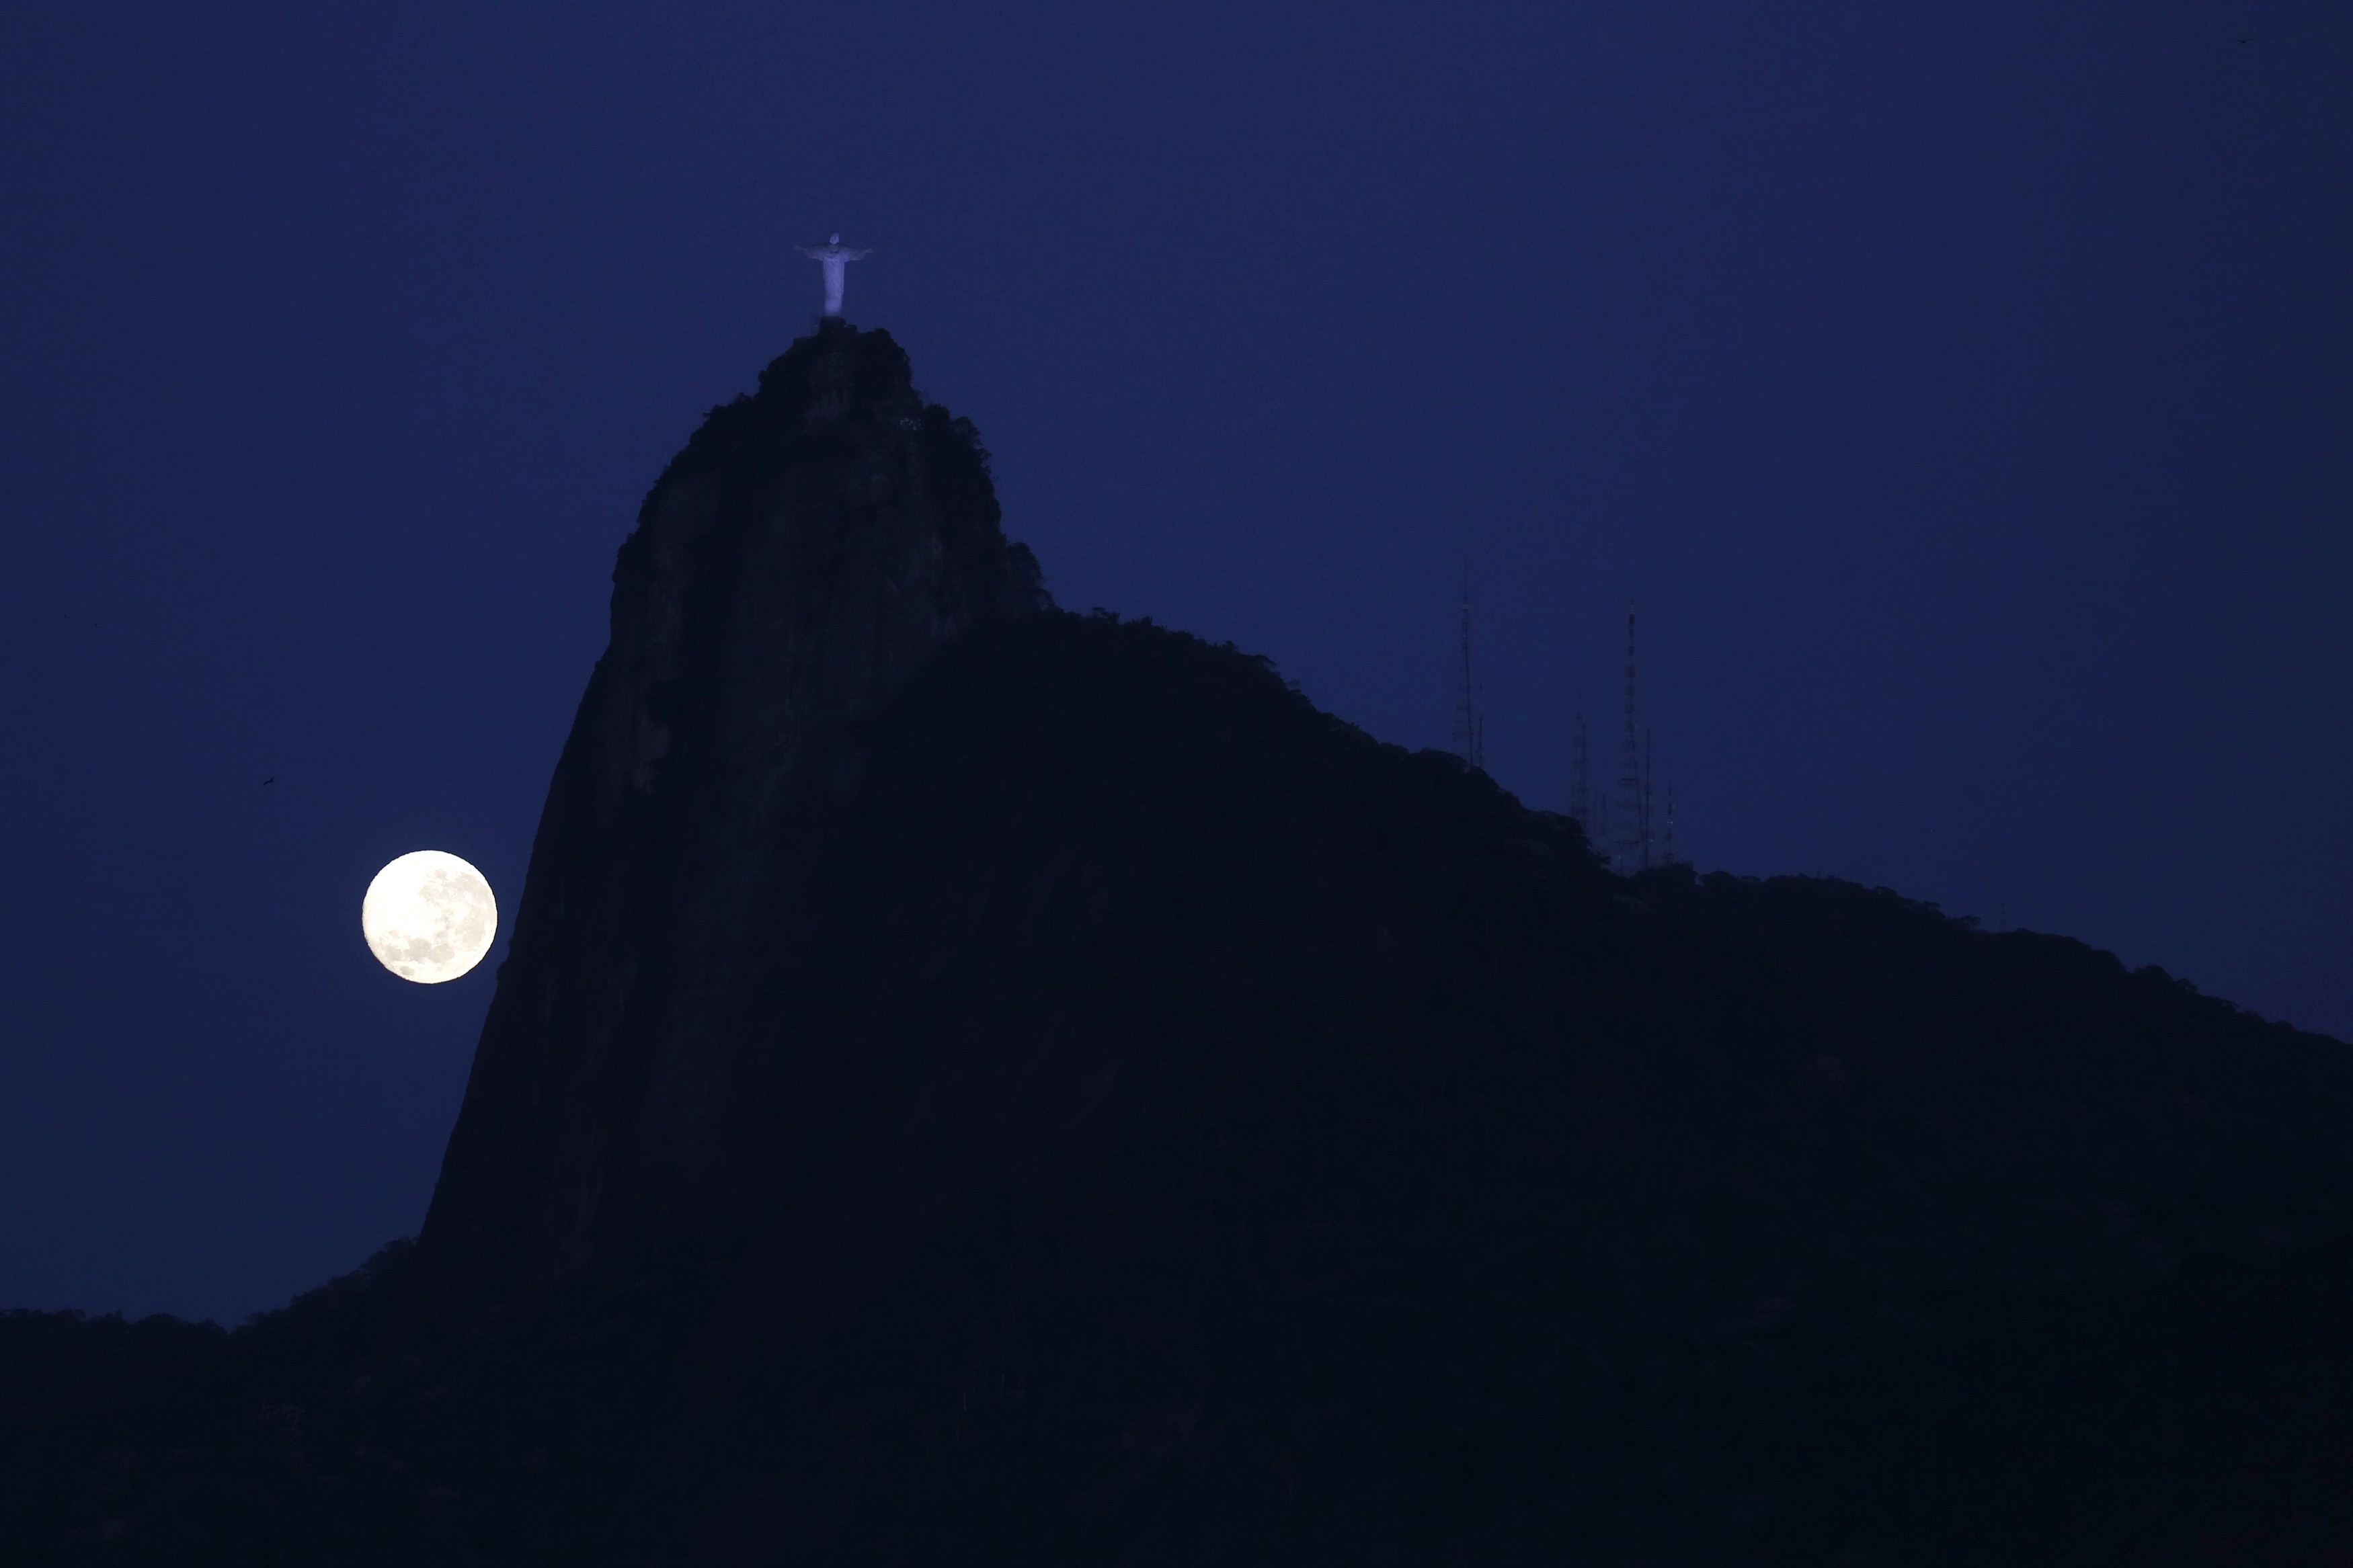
1649	838
1633	789
1470	722
1580	778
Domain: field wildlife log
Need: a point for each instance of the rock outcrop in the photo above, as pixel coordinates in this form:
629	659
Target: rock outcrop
793	567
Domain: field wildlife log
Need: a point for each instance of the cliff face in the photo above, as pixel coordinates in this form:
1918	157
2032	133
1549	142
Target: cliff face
791	568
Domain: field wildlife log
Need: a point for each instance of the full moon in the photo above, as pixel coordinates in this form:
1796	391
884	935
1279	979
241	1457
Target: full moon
429	917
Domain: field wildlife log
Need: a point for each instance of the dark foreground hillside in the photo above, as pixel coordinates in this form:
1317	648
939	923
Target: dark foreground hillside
1222	1137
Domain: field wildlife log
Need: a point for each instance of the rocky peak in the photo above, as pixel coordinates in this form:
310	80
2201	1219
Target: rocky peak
791	569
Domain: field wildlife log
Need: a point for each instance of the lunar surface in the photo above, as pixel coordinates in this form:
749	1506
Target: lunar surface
429	917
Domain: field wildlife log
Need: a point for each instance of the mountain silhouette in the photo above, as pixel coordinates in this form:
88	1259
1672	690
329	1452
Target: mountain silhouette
640	1073
976	1083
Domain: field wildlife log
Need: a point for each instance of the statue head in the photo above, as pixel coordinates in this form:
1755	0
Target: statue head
835	240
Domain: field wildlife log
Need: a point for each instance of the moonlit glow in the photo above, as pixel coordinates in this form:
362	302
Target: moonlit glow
429	917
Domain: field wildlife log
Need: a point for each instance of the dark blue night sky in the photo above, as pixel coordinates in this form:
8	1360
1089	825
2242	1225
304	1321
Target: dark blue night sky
1961	389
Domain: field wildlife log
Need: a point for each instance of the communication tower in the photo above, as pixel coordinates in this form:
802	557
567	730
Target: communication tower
1470	719
1633	847
1580	778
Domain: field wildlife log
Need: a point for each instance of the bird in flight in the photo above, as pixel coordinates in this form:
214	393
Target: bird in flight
270	780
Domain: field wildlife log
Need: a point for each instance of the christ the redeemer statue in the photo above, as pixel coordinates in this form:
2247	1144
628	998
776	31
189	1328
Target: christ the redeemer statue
836	257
